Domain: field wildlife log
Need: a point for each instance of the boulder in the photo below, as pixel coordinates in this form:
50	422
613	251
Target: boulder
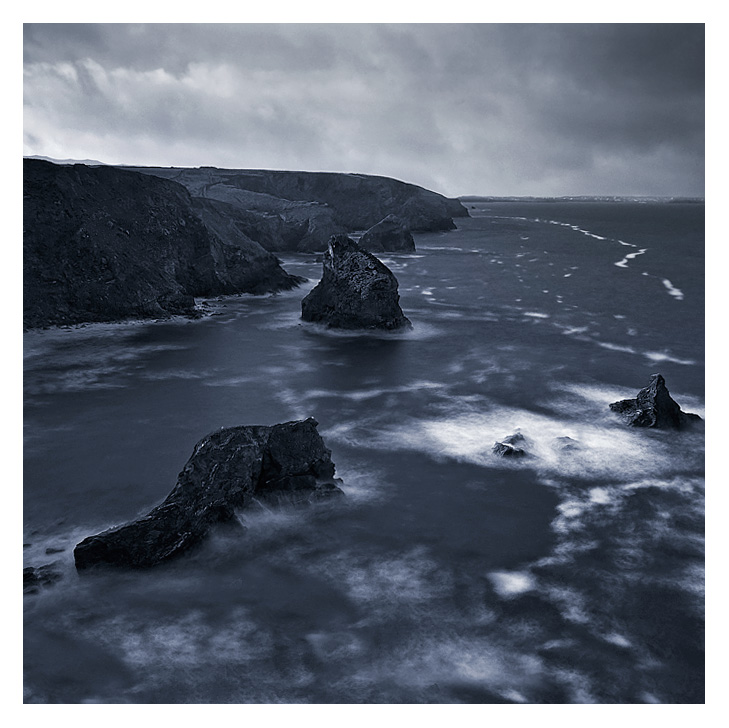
509	447
654	407
229	469
356	291
390	234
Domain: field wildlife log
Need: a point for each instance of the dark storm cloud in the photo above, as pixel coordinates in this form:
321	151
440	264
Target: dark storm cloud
491	109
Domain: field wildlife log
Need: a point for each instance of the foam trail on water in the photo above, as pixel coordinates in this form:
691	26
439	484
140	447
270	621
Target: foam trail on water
677	293
624	262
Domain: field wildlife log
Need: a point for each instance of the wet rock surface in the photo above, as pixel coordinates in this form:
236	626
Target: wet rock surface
356	291
390	234
654	407
35	577
512	446
230	469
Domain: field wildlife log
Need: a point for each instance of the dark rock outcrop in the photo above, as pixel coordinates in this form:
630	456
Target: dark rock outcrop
229	469
104	244
654	407
35	577
310	207
356	291
390	234
511	446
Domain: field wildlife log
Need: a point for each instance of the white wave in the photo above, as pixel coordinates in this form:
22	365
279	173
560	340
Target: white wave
677	293
604	447
536	314
360	395
615	347
624	262
421	330
617	639
511	583
569	330
658	356
439	247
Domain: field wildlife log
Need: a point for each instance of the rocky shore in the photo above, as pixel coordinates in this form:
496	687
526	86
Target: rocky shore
104	244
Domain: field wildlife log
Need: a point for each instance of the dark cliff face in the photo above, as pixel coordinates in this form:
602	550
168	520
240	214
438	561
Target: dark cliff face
103	244
356	291
313	206
390	234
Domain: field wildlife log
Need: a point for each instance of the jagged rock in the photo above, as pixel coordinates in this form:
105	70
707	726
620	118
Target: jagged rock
507	448
105	244
388	235
654	407
35	577
228	470
356	291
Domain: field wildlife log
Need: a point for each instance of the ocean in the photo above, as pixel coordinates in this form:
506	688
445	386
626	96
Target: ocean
445	574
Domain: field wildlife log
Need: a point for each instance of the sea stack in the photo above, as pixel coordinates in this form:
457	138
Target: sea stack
356	291
228	470
654	407
390	234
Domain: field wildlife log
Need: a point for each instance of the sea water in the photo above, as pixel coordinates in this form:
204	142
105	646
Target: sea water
445	574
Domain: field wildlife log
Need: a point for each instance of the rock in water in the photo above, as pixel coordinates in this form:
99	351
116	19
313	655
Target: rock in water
507	448
356	291
389	234
654	407
35	577
228	469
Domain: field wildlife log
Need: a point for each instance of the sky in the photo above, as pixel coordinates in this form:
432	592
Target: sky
472	108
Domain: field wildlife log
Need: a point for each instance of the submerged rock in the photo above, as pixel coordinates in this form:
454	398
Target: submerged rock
566	444
654	407
229	469
356	291
388	235
507	448
35	577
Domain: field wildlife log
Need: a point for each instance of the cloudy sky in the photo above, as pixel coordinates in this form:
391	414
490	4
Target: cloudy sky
490	109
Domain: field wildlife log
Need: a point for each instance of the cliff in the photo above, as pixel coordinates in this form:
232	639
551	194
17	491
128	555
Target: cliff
103	244
310	207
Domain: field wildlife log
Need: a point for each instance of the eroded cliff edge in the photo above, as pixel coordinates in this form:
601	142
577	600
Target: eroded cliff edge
300	211
105	244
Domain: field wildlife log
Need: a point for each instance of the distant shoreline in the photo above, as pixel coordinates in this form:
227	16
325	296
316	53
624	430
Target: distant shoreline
580	198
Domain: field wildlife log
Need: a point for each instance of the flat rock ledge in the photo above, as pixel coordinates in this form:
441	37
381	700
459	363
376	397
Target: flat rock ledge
389	235
654	407
229	469
356	291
